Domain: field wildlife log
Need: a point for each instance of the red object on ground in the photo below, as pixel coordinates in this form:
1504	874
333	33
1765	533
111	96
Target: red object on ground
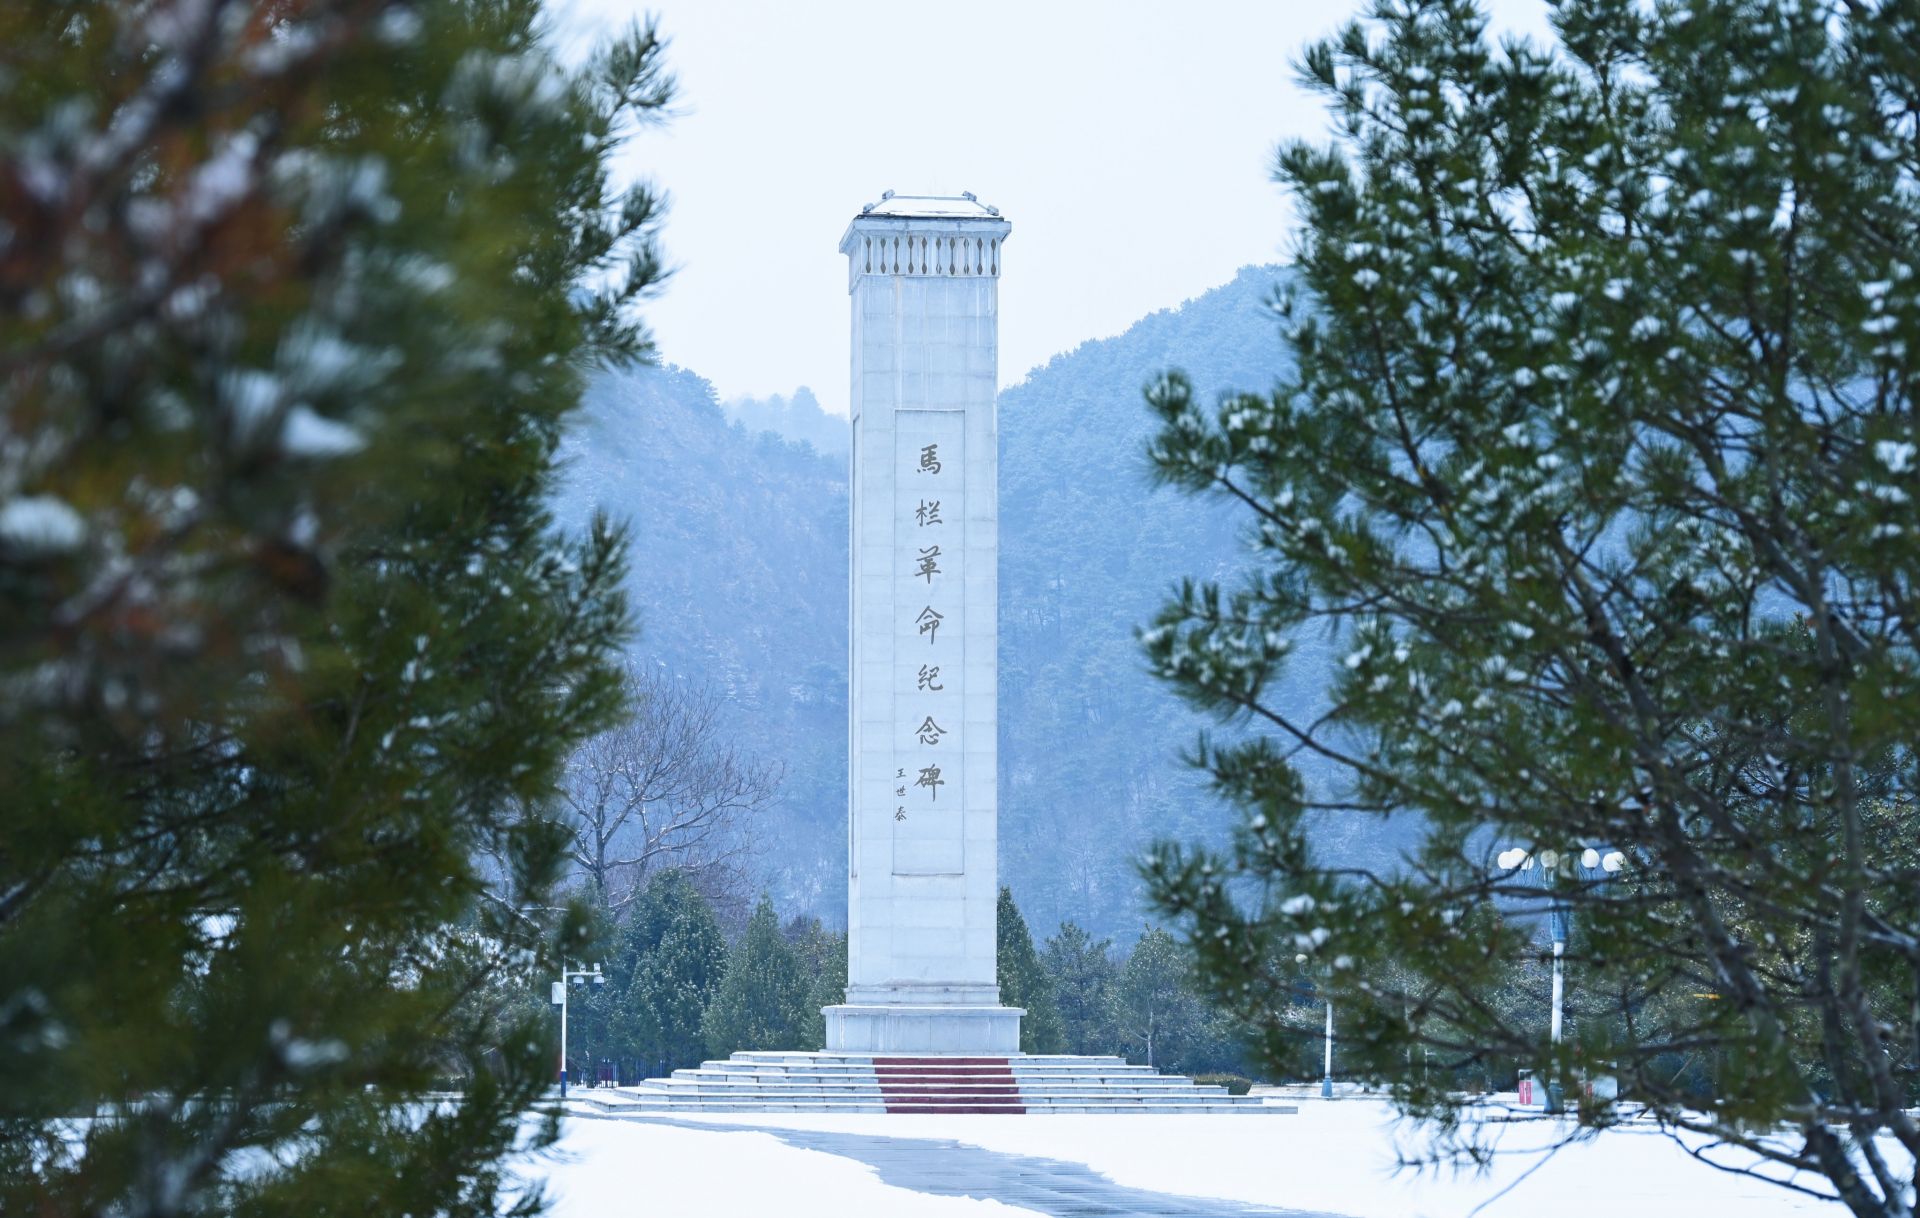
948	1084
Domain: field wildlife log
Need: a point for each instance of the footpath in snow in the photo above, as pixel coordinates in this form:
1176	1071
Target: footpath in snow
1333	1159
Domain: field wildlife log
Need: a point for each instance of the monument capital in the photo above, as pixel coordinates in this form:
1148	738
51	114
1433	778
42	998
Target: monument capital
945	236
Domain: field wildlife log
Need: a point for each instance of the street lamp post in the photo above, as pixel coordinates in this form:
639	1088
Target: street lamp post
577	977
1593	864
1326	1077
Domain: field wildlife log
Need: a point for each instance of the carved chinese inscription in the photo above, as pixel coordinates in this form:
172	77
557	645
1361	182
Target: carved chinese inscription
929	577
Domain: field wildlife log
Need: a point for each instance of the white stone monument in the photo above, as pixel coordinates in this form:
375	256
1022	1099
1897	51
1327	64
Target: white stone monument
922	872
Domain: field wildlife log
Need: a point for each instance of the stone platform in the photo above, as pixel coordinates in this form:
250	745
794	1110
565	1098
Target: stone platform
905	1029
857	1082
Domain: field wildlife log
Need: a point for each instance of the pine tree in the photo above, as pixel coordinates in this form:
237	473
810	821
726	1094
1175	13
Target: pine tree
1598	465
682	957
292	316
762	1002
1082	974
1023	983
1155	1009
823	960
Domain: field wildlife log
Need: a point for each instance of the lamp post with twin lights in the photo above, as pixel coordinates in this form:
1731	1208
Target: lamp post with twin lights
577	977
1546	870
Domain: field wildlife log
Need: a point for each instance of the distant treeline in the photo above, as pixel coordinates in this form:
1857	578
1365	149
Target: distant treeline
678	993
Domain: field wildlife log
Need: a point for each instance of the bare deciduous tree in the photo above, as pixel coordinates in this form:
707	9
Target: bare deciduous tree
665	788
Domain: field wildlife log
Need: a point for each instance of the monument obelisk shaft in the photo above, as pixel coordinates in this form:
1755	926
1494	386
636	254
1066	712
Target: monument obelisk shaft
922	872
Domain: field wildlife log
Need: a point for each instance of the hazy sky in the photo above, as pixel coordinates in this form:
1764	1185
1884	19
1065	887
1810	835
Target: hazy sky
1129	144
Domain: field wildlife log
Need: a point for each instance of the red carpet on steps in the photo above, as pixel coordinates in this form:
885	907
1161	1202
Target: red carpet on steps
947	1084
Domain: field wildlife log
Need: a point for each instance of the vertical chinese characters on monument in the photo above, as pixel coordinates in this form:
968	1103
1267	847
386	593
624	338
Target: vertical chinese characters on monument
929	580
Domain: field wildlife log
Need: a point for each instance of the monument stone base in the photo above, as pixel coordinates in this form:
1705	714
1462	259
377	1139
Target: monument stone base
931	1029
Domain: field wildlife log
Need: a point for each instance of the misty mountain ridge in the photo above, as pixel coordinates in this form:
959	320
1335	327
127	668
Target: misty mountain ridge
799	418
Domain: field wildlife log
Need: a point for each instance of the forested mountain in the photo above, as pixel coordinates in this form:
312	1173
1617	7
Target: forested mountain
740	577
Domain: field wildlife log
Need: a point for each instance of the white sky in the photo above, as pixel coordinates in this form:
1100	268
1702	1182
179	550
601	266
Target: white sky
1129	143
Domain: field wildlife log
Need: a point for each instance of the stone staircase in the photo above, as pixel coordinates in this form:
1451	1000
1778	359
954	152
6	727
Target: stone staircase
854	1082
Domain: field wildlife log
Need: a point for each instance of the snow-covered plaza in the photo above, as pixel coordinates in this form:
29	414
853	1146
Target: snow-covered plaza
1333	1158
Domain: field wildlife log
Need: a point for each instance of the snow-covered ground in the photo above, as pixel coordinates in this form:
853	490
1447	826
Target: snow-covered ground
609	1168
1330	1158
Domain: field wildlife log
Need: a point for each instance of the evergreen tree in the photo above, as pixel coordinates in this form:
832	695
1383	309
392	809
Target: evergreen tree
823	960
1155	1009
762	1002
663	967
293	316
677	974
1023	983
1082	974
1599	465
